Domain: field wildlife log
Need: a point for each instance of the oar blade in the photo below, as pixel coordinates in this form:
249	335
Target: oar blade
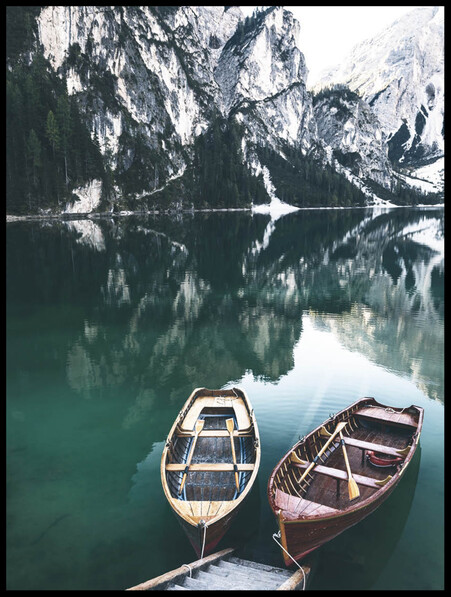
353	489
230	425
199	425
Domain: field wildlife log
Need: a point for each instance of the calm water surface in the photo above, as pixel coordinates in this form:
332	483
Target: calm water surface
111	323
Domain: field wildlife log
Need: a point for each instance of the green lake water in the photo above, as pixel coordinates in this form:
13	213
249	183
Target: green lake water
111	323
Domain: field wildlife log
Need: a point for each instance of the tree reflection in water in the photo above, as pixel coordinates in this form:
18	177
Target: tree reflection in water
211	296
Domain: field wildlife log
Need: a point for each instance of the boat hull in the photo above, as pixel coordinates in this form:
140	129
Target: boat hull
209	463
204	539
304	536
309	490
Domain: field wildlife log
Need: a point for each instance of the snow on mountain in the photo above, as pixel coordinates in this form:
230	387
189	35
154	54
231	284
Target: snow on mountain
400	73
428	178
150	80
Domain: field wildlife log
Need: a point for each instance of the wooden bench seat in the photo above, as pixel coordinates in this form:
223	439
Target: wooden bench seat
338	474
213	433
357	443
382	414
209	467
237	403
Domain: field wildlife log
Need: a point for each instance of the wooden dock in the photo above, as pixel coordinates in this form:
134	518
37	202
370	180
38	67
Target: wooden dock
223	571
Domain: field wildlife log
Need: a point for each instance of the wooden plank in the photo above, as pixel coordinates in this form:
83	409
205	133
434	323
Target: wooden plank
339	474
300	505
215	433
357	443
400	418
298	579
281	499
210	467
203	509
238	405
242	416
180	572
194	412
310	508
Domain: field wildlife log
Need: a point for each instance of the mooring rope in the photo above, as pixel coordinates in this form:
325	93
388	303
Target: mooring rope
189	568
289	555
203	542
388	409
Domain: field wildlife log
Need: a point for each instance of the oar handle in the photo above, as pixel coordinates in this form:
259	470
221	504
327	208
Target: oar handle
237	481
345	454
198	429
230	426
323	449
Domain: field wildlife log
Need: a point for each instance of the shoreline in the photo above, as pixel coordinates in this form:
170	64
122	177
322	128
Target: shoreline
260	210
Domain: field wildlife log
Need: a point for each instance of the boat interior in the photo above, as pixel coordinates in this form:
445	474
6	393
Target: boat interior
324	489
210	476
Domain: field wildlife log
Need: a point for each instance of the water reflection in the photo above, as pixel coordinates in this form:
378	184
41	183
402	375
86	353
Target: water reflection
111	324
209	297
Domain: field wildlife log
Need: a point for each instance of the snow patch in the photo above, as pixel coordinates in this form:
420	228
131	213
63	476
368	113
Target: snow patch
276	208
429	179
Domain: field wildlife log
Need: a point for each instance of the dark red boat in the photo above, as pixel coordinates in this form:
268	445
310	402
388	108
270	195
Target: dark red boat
326	484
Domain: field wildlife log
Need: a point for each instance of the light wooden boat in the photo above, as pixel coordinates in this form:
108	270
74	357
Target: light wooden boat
327	483
206	475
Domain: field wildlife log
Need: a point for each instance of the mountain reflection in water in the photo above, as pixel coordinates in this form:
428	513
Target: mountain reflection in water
211	296
112	322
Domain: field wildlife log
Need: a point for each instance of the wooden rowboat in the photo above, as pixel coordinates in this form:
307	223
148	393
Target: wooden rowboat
326	484
210	462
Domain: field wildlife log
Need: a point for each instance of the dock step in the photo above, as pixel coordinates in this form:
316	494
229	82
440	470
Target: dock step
224	571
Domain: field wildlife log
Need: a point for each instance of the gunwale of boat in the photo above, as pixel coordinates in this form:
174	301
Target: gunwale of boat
193	511
411	431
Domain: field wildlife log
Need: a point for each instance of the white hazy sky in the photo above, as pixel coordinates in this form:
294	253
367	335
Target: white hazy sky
328	33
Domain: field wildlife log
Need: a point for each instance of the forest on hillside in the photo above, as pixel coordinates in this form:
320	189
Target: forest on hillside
51	151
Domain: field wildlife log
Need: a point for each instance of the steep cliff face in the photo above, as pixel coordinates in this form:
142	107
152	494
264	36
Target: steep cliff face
261	74
400	73
347	125
144	76
151	81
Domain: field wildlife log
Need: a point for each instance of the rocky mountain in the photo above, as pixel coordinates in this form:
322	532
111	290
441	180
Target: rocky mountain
400	73
349	127
194	107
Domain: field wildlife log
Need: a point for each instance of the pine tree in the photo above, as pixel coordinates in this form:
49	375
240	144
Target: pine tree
52	132
33	157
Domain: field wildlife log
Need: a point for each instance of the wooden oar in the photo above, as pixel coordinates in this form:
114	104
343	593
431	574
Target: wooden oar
198	429
323	449
230	427
352	485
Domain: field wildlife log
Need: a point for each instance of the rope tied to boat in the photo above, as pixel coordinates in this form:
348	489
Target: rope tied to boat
203	524
276	536
387	409
189	568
